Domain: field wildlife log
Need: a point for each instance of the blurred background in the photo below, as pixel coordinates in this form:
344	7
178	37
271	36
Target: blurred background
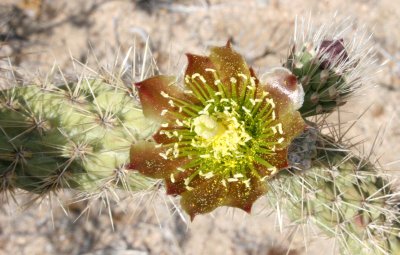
36	34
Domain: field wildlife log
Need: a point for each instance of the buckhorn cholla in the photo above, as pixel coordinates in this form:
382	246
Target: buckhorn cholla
221	135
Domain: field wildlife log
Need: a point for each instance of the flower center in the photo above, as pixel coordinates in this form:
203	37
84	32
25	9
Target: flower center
221	134
232	134
207	127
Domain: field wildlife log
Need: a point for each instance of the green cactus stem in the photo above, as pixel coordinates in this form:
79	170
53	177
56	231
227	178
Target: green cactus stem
75	136
345	196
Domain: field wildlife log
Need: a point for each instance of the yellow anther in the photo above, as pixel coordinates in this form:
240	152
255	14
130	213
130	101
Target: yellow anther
239	175
246	183
163	155
163	112
279	127
216	82
271	102
243	76
163	94
223	183
179	123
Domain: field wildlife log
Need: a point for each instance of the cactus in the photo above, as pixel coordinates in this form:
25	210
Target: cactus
345	196
330	68
78	136
75	136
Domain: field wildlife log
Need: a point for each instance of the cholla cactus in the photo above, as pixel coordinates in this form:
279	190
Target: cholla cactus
75	135
332	63
223	138
344	194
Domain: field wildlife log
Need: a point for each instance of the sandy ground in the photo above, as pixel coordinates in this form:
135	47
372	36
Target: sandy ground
40	35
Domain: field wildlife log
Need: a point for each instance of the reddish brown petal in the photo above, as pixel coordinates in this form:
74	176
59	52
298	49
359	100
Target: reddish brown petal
199	64
243	197
278	160
162	138
292	126
228	64
177	186
151	98
146	159
282	86
204	198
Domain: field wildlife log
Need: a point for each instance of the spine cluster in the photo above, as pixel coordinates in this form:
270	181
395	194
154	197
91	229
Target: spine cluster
75	136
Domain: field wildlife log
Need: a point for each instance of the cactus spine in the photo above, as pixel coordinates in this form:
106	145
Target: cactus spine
346	197
74	136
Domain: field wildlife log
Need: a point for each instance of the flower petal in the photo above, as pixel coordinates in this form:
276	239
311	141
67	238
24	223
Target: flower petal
154	93
145	158
161	136
288	97
243	197
198	65
229	64
283	87
177	185
279	160
204	198
293	125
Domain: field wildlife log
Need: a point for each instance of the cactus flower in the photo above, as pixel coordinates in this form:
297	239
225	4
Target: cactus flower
222	134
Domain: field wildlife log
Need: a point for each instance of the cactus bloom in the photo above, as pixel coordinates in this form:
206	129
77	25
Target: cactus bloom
222	134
